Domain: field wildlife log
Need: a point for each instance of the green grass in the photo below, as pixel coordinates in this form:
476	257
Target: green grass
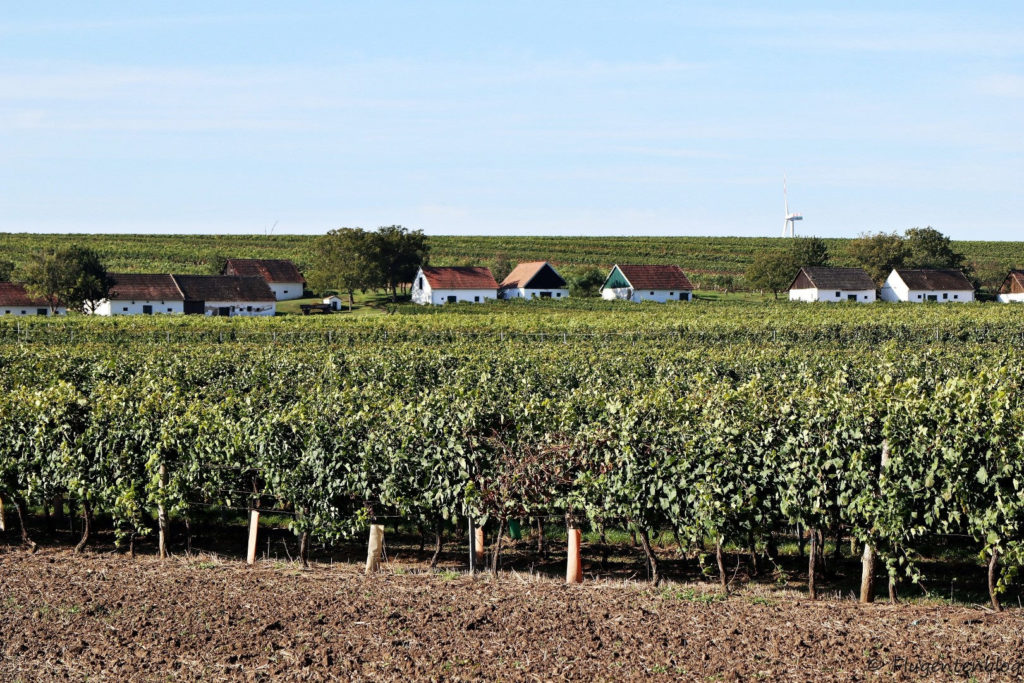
365	305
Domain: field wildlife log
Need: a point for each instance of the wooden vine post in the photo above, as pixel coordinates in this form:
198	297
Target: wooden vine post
573	563
3	516
375	549
867	560
478	547
254	523
161	513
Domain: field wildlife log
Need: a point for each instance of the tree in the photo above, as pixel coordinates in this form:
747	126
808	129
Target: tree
343	261
586	283
6	270
773	271
397	253
73	277
502	266
809	251
929	248
878	253
217	264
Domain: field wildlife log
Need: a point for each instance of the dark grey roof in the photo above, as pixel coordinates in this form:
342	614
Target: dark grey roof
824	277
144	286
224	288
948	279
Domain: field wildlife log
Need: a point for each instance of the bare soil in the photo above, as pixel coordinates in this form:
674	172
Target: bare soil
104	616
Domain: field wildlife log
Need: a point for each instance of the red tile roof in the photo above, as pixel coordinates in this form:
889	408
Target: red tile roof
271	270
144	287
13	294
460	277
656	277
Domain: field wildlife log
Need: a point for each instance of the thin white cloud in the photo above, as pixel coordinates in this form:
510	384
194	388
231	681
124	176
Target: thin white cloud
1001	85
137	23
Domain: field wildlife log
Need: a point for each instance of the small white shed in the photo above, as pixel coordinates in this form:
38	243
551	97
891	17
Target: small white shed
821	283
647	283
534	280
453	284
921	285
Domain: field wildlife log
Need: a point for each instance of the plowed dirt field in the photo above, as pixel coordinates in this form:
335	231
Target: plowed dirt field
106	617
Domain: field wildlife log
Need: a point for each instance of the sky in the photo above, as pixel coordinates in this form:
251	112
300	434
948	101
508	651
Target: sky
518	118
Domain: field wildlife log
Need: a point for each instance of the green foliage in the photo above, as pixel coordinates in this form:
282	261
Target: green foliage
772	272
6	270
725	421
929	248
70	276
396	253
586	283
878	254
342	262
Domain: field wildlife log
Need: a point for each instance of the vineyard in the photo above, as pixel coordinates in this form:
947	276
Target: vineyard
698	256
730	432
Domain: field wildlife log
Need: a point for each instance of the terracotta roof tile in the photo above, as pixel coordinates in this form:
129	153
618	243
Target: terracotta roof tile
656	277
14	294
523	273
460	277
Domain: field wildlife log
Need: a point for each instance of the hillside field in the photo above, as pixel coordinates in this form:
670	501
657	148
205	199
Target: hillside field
700	257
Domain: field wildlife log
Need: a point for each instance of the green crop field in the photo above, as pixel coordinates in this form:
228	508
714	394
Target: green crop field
723	424
700	257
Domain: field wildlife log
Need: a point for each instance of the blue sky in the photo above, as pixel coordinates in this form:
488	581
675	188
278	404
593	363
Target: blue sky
577	118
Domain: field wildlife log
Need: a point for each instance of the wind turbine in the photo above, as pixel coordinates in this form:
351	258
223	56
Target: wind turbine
789	224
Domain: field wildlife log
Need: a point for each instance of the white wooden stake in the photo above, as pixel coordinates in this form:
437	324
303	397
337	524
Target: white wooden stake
254	522
573	565
375	549
3	520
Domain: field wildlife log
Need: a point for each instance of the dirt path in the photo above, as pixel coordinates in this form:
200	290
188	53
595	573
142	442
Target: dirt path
107	617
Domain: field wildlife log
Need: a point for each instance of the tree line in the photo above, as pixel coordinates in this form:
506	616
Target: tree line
878	254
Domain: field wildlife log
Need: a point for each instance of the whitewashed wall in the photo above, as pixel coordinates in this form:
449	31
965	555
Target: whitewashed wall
864	296
240	308
895	289
1010	298
30	310
126	307
659	295
428	296
524	293
285	291
439	297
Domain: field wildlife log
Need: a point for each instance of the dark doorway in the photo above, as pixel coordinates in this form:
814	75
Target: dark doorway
195	307
147	310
